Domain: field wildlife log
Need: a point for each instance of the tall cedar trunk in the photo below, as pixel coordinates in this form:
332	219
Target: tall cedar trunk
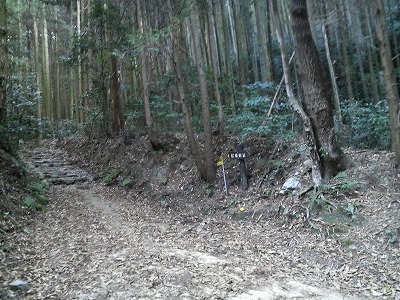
144	65
214	59
242	49
104	40
187	115
346	70
38	76
316	101
205	104
264	40
46	68
3	62
392	93
118	122
80	77
371	55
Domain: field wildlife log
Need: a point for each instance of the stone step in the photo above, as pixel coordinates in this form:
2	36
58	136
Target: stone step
55	167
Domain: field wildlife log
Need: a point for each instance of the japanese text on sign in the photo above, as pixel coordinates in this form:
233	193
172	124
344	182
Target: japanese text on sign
237	155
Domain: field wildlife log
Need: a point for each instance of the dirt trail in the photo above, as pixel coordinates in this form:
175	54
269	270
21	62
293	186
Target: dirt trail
93	242
89	246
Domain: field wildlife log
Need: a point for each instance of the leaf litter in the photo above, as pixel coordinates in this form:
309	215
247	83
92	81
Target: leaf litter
101	241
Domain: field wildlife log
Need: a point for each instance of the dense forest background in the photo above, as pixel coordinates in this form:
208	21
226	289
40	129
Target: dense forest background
103	68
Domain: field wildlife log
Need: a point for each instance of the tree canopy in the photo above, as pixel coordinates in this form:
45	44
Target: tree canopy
106	68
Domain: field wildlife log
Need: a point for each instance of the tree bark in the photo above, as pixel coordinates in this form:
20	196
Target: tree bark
392	93
308	130
316	101
118	120
3	61
46	69
336	100
205	104
144	72
214	60
264	39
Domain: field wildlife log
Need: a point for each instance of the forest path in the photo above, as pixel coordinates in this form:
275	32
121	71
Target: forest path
94	242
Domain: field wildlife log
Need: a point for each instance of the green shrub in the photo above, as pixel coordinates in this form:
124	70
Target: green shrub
369	124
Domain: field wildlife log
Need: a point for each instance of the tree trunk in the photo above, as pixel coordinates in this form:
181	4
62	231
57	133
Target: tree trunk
144	65
38	77
392	93
264	40
118	120
308	130
214	60
205	104
316	94
346	69
46	69
3	62
336	100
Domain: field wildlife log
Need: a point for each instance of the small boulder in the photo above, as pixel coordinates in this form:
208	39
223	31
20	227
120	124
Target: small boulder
291	184
19	285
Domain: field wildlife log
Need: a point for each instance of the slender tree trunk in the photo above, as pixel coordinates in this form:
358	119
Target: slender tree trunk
118	122
242	49
205	104
264	39
345	49
230	51
144	65
56	80
392	93
187	116
38	76
80	77
252	40
336	100
359	42
372	62
46	68
3	64
214	55
316	94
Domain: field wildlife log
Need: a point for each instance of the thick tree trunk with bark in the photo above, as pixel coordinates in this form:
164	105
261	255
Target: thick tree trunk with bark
392	93
316	101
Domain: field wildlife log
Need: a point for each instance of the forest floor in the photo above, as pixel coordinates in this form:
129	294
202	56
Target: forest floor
144	226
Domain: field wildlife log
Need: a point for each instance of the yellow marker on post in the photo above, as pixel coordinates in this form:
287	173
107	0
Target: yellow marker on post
221	163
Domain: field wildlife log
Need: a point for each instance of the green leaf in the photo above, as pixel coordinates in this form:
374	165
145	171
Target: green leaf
127	182
350	209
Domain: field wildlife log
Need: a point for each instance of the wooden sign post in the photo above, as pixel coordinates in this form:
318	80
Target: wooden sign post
240	155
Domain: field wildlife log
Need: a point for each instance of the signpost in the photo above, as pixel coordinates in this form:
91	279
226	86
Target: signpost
240	155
